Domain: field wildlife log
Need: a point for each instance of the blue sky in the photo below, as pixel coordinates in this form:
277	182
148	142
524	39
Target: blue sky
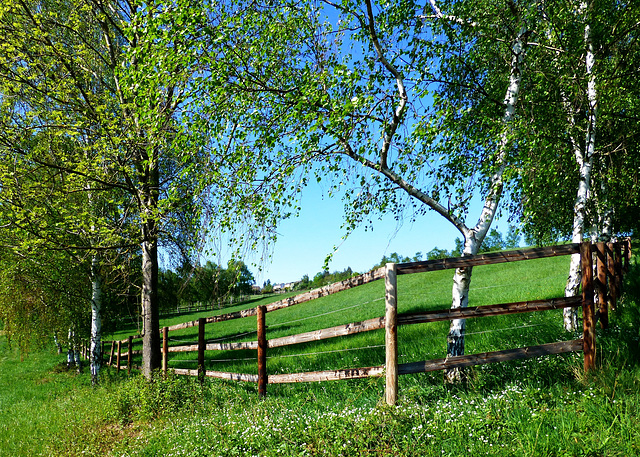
304	242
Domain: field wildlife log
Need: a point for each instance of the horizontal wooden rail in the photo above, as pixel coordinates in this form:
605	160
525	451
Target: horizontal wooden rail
487	259
403	319
489	310
218	374
333	332
291	301
330	289
491	357
432	365
215	347
329	375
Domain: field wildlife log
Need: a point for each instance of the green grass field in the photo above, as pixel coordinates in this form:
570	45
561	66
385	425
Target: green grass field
535	279
534	407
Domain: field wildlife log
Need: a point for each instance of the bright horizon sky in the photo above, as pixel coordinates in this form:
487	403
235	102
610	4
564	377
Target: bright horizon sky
304	241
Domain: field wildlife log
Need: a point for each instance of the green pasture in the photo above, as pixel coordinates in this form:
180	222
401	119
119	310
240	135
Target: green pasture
536	407
491	284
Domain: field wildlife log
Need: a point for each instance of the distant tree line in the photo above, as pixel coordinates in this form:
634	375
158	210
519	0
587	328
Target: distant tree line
494	241
208	284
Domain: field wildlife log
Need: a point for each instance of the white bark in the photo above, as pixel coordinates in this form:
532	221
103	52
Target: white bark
57	343
473	238
70	351
460	299
78	361
585	162
95	356
73	353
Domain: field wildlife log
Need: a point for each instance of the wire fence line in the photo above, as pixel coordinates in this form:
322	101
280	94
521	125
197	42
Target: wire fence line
306	354
503	329
472	288
233	337
609	266
279	324
302	354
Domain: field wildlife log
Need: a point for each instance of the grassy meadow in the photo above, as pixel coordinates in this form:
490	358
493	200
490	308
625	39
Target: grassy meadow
537	407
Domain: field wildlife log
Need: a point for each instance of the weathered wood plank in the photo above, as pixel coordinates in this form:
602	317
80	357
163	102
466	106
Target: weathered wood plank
491	357
232	346
403	319
220	318
489	310
489	258
329	375
201	347
611	274
262	352
322	334
600	283
296	300
588	312
215	347
218	374
232	376
183	348
165	349
329	289
126	354
391	334
184	372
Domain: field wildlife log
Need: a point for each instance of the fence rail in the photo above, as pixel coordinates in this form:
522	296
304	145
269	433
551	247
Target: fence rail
611	260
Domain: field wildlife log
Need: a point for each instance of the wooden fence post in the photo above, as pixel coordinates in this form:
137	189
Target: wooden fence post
113	348
118	357
617	267
201	347
391	333
165	350
601	284
627	255
611	269
589	334
129	354
262	352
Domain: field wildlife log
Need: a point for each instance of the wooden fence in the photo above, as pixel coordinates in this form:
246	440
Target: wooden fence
611	261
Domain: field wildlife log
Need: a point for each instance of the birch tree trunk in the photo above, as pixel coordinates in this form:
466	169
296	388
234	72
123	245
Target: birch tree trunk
585	162
473	238
70	350
76	354
57	342
95	357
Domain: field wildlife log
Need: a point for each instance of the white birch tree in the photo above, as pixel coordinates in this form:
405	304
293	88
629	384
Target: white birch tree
350	102
590	47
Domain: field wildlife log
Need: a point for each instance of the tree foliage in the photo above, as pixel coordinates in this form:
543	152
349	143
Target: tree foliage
89	94
558	121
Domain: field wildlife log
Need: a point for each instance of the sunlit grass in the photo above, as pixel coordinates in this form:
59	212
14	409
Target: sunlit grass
536	407
491	284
